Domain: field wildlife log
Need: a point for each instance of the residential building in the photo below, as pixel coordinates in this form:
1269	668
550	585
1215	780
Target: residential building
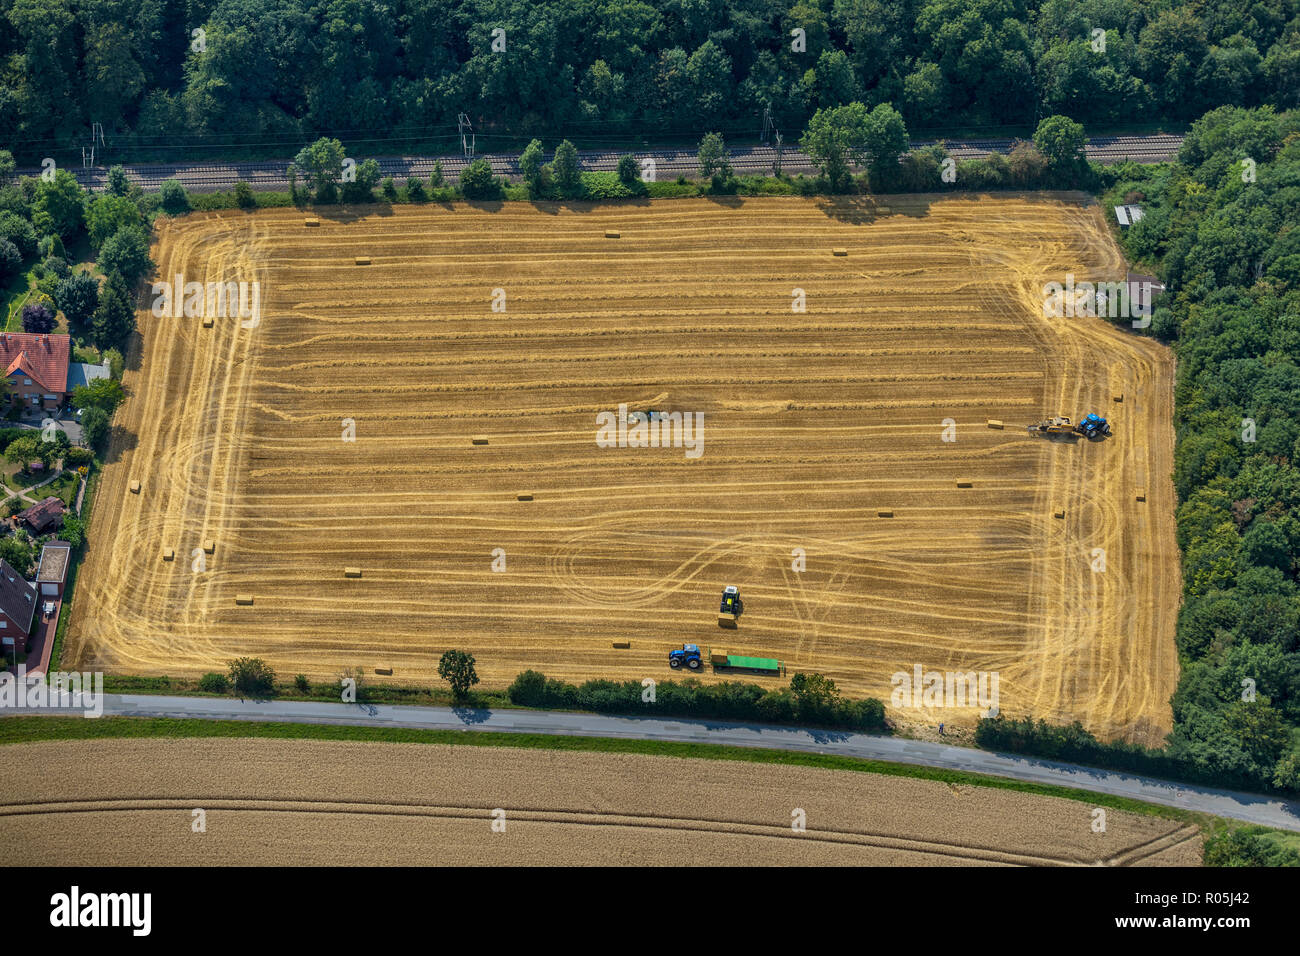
52	572
17	609
36	369
82	373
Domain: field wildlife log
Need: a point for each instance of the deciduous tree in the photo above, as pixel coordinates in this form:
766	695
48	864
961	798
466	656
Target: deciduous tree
457	669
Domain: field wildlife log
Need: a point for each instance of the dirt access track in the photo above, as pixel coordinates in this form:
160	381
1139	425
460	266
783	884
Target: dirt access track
295	802
339	433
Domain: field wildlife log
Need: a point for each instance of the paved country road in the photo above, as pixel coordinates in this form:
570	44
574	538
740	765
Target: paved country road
669	163
1253	808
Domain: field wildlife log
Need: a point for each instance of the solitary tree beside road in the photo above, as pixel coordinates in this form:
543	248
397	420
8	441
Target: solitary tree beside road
252	677
457	669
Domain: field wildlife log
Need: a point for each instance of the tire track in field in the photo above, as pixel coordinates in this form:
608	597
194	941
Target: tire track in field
52	811
816	423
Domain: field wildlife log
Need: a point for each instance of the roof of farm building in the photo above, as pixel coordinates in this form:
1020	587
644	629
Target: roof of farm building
42	514
1142	289
42	358
54	562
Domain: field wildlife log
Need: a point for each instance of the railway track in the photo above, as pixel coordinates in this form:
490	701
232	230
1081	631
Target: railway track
668	163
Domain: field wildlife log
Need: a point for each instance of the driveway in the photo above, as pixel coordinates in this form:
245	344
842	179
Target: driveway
68	425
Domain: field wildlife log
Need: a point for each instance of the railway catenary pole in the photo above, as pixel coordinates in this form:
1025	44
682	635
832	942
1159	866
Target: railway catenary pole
204	177
466	135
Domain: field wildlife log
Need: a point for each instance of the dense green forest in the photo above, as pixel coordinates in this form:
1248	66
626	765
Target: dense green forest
1223	224
173	75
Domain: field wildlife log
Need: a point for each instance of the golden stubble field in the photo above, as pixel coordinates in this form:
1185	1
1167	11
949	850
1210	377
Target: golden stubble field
814	422
342	803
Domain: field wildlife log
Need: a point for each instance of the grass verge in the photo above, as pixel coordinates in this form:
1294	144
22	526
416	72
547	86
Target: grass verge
74	566
322	691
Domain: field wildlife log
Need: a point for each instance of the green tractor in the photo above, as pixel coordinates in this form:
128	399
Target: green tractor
732	606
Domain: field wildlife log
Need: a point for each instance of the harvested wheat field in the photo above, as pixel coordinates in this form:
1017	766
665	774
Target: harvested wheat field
338	803
347	471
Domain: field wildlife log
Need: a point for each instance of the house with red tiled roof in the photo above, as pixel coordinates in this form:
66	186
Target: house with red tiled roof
36	368
38	372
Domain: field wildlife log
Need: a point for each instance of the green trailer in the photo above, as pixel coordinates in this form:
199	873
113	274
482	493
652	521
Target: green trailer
767	666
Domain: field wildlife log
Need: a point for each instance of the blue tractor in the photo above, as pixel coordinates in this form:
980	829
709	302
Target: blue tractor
687	655
1093	426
